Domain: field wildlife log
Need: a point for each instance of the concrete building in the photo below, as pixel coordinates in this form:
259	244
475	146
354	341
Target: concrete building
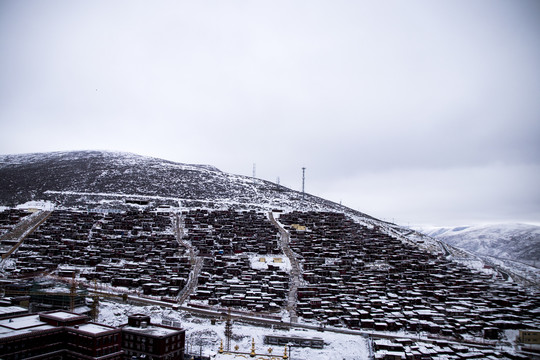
63	335
58	335
143	340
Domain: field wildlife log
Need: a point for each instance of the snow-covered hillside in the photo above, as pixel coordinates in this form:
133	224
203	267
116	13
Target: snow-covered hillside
116	180
93	179
506	241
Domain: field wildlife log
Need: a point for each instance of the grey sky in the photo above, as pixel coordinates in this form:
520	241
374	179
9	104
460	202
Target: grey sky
425	112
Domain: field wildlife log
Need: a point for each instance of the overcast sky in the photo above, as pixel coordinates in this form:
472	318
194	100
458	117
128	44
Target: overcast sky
420	112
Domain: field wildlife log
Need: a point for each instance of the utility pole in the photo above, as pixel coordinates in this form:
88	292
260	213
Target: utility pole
228	331
303	181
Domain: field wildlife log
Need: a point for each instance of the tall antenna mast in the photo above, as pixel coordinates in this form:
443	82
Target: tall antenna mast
303	181
254	167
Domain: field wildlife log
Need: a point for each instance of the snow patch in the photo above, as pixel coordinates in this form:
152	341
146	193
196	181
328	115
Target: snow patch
39	204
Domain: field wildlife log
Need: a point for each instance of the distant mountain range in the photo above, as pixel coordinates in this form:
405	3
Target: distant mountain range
519	242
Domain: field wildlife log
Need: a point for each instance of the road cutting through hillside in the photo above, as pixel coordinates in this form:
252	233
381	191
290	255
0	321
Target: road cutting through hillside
196	262
22	230
295	270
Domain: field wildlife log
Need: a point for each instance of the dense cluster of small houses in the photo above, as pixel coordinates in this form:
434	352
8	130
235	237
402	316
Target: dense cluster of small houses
135	250
10	218
353	275
227	278
231	282
359	277
229	232
399	349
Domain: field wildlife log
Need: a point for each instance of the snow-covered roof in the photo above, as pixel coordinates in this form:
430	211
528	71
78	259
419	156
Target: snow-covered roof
21	322
63	315
4	332
11	310
94	329
151	330
22	325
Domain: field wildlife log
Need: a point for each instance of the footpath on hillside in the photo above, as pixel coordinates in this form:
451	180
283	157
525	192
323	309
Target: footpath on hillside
196	262
24	228
295	271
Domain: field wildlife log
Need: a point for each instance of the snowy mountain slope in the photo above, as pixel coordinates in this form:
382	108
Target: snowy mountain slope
95	178
506	241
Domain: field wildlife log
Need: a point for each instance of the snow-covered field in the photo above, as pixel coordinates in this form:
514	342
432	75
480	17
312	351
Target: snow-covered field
205	337
261	262
42	205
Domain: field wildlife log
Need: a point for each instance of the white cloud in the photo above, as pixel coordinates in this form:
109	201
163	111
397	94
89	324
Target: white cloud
445	197
345	89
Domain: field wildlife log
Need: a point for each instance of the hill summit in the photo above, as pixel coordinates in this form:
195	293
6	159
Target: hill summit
101	178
